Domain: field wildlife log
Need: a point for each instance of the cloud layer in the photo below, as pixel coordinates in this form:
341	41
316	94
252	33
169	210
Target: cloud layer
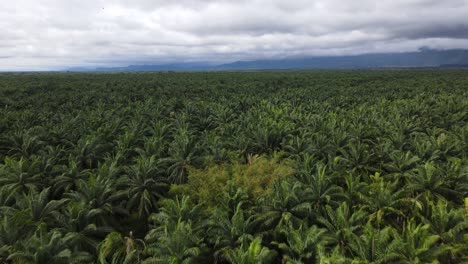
51	34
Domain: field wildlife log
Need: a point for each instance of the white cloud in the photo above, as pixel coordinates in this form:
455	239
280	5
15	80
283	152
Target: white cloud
51	34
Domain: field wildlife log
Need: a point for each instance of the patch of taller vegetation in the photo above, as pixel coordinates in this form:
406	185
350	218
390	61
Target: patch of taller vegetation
255	177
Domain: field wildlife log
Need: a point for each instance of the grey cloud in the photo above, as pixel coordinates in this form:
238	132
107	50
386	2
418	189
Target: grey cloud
49	34
455	31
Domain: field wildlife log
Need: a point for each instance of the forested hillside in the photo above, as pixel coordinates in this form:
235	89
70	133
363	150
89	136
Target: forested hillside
234	167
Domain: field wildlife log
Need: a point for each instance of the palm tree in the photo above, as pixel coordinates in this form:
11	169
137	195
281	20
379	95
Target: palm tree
266	133
145	185
343	225
177	243
175	210
377	246
456	177
332	257
400	163
203	119
48	247
427	181
10	233
320	145
225	232
159	130
115	249
223	114
450	225
387	201
90	151
36	209
19	177
155	145
233	199
125	144
285	203
295	145
215	148
301	244
177	234
183	152
253	253
319	189
78	222
72	177
424	149
355	189
101	194
22	145
357	157
420	245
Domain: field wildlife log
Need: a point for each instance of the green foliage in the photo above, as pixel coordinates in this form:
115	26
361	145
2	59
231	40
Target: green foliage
118	249
377	246
256	177
302	244
176	237
47	247
234	167
250	254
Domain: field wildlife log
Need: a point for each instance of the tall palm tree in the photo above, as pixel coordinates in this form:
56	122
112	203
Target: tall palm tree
89	151
177	243
355	189
400	163
116	249
214	145
78	222
387	201
183	152
301	244
36	209
225	232
253	253
420	245
176	210
155	145
423	148
48	247
450	225
285	203
428	181
176	236
320	145
101	194
11	232
356	156
319	189
295	145
377	246
21	145
145	185
70	179
19	177
343	225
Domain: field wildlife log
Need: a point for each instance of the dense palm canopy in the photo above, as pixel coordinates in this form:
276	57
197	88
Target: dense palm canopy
234	167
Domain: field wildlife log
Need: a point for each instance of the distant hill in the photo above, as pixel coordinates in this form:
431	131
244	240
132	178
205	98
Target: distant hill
422	58
156	67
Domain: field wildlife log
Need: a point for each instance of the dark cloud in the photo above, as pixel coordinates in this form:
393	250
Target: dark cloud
50	34
455	31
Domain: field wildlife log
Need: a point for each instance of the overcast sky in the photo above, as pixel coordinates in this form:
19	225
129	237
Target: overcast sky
52	34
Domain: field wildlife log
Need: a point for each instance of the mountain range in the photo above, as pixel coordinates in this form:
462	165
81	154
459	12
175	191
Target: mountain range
424	57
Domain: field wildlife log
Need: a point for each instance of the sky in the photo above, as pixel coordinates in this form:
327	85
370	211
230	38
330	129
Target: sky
56	34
